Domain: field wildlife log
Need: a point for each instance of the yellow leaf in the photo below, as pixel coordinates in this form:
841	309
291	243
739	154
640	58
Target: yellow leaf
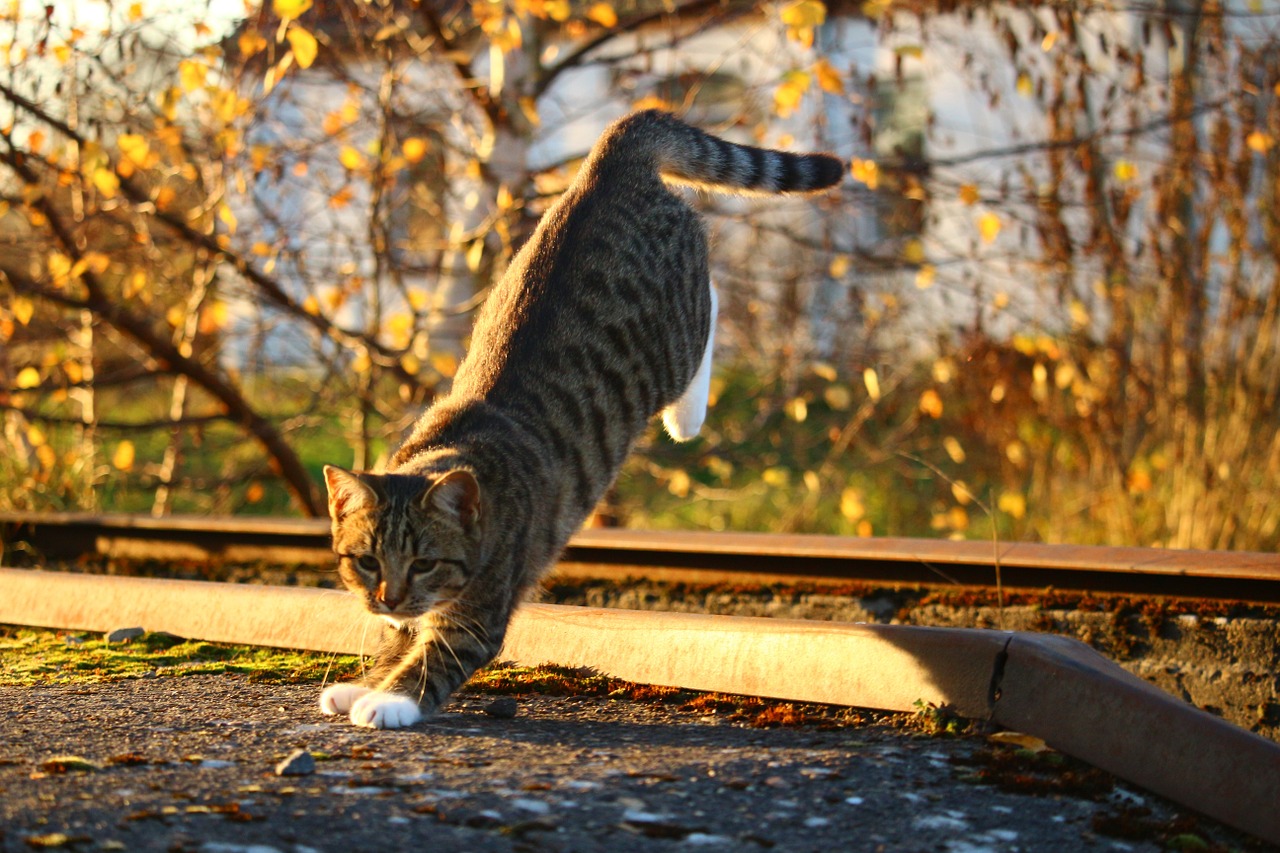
124	456
679	483
954	449
134	147
925	276
445	363
287	10
931	404
866	172
304	46
28	377
603	14
969	194
1028	742
192	74
227	218
254	493
851	505
165	197
36	436
837	397
23	308
913	251
59	268
1125	170
414	149
475	253
777	476
797	409
804	13
872	382
828	77
557	10
250	43
311	305
1049	40
1259	142
989	227
62	53
1024	85
106	182
135	12
839	266
790	92
1079	314
350	158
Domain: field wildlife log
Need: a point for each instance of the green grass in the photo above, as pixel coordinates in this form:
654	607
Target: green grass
31	657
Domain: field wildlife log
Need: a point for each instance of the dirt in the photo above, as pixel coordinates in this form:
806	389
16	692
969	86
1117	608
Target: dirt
190	763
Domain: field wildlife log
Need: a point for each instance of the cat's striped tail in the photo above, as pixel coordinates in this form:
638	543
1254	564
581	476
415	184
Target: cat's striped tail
686	155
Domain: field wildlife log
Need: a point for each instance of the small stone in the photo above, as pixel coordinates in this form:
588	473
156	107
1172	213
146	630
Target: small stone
504	708
299	763
124	635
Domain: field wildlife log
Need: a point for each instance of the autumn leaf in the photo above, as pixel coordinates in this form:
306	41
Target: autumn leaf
865	172
303	44
1259	142
28	377
254	493
287	10
829	79
123	458
135	12
414	149
969	194
192	74
106	182
557	10
350	158
872	382
1125	170
23	309
954	449
341	198
603	14
851	505
135	148
913	251
801	17
931	404
410	364
1049	40
1031	743
925	276
251	42
1024	85
989	227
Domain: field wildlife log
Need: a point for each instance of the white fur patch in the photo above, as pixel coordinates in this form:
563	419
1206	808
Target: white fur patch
338	698
684	417
378	710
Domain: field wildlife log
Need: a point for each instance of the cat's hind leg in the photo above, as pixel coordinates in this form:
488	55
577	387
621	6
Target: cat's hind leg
684	417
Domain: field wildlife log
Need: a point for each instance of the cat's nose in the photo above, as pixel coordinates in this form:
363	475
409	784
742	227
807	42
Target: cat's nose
389	598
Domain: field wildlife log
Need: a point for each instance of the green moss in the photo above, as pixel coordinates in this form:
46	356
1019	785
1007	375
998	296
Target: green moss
30	657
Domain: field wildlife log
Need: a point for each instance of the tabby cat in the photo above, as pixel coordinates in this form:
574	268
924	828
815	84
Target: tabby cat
604	319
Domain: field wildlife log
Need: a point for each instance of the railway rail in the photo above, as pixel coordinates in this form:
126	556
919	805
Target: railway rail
691	557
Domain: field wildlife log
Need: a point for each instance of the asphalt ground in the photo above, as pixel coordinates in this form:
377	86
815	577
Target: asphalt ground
189	763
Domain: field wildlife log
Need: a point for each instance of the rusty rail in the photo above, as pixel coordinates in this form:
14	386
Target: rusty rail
692	556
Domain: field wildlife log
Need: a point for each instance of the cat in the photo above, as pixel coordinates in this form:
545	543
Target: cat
603	319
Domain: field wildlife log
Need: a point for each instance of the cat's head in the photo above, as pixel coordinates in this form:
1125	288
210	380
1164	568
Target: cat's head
405	544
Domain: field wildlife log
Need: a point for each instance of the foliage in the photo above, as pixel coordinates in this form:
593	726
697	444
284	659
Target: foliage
1043	306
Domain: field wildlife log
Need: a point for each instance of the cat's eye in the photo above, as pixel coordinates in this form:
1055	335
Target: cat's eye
421	567
368	563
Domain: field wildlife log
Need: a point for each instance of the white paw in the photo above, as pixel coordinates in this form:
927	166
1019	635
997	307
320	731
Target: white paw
378	710
338	698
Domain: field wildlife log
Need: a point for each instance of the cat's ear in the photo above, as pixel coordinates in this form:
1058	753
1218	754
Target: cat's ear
458	494
347	492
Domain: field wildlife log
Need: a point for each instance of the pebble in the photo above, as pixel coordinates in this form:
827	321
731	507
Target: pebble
504	708
300	762
124	635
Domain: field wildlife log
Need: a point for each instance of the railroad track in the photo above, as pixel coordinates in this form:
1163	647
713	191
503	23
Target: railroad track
691	557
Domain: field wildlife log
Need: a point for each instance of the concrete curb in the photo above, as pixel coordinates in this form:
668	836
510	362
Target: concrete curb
1051	687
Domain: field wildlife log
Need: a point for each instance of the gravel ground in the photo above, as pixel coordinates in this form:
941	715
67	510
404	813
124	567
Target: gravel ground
188	763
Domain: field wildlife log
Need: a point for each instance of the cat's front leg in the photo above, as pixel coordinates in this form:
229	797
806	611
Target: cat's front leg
339	698
422	678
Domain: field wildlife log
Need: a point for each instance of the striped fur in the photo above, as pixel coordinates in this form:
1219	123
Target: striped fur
600	323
